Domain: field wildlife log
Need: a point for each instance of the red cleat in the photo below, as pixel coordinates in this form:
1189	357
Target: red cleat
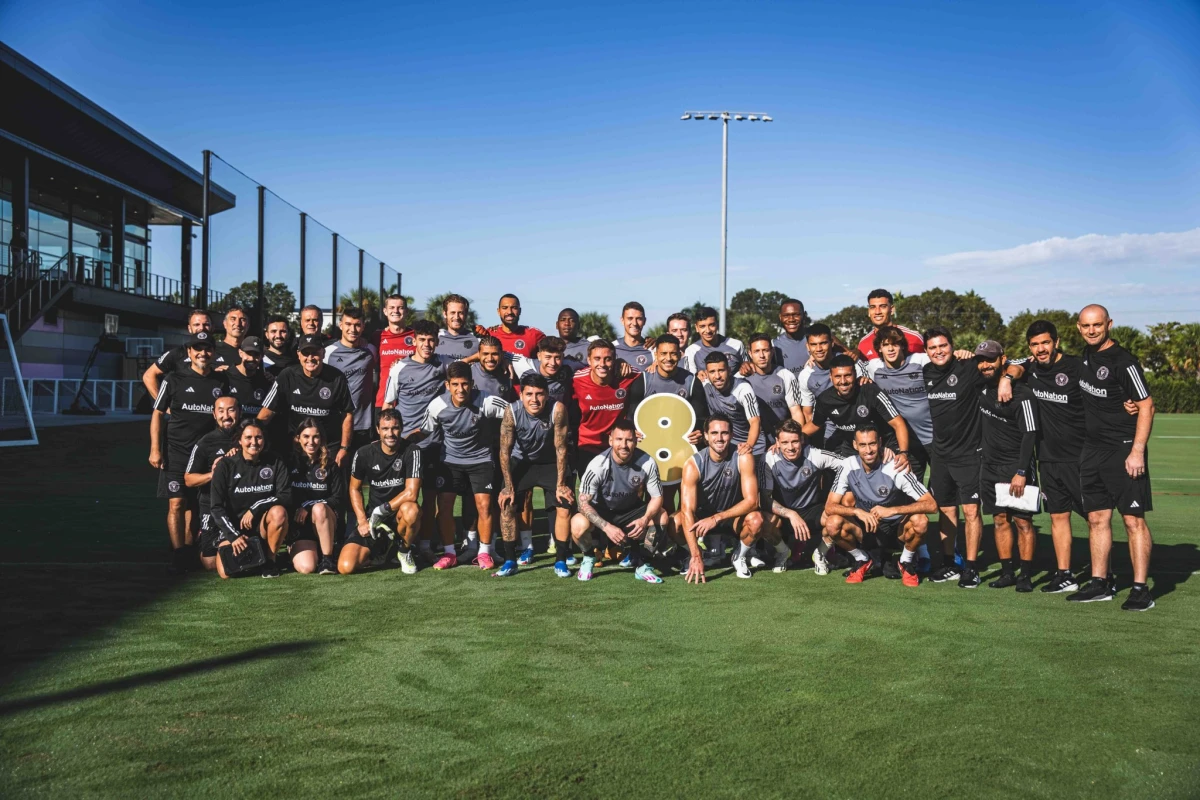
445	562
859	573
484	561
908	574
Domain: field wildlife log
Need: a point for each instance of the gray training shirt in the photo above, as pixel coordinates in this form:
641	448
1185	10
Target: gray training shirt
533	437
741	406
905	385
720	487
617	488
410	388
797	484
358	365
882	486
466	440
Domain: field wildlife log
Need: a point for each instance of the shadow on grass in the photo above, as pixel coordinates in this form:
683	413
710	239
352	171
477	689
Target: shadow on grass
156	676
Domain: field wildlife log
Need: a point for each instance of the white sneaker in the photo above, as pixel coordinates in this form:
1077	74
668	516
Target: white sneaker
757	562
742	568
586	565
408	564
820	565
781	561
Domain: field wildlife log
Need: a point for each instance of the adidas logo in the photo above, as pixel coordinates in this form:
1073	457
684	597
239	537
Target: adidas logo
235	477
190	389
1134	504
975	496
835	412
295	391
489	486
589	397
375	467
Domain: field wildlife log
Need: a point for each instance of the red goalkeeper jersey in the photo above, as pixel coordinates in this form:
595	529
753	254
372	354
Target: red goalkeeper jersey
599	407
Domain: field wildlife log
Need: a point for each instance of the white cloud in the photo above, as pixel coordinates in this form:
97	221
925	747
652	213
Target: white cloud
1143	248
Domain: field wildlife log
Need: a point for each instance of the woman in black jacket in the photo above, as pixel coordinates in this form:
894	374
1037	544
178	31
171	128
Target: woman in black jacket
251	493
319	495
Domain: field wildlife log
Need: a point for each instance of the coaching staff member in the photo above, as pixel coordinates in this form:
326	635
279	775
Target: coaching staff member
314	389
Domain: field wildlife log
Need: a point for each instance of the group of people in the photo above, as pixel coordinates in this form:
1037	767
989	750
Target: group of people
352	451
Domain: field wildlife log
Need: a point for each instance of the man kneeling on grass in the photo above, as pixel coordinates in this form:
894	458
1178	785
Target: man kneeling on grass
867	508
251	493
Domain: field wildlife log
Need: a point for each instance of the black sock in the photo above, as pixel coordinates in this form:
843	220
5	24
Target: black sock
1139	587
562	550
510	550
1027	568
402	546
1006	566
972	565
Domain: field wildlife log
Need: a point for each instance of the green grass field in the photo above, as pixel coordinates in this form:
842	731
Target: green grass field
118	681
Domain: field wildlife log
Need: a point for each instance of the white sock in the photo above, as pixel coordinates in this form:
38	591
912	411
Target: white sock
923	551
859	555
782	548
472	536
448	549
906	556
485	549
744	550
526	540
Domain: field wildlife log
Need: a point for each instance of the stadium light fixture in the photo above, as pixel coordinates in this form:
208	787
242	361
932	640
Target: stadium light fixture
725	116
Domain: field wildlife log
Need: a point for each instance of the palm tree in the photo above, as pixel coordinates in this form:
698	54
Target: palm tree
597	323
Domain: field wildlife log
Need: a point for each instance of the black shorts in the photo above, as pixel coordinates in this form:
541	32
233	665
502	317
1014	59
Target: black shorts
990	475
918	458
376	546
527	477
1061	488
812	518
620	519
955	483
725	528
581	457
302	532
887	533
170	477
1106	485
467	479
209	536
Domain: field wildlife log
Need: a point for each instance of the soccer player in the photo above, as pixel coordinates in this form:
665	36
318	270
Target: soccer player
620	497
551	365
533	454
730	395
188	396
680	326
775	387
456	341
632	347
514	337
901	376
847	405
468	466
710	340
390	468
226	353
314	389
490	370
279	354
792	471
665	376
356	359
318	492
791	346
600	401
311	319
575	352
814	377
880	309
251	494
176	358
1009	434
719	496
395	341
212	447
1114	468
866	508
247	381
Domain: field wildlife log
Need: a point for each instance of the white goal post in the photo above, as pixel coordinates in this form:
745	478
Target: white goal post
20	386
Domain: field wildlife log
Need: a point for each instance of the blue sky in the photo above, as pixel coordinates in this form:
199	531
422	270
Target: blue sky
1044	154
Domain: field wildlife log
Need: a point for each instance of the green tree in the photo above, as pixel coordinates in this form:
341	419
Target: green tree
1174	349
849	325
596	323
967	316
278	299
744	325
433	309
1069	340
1135	342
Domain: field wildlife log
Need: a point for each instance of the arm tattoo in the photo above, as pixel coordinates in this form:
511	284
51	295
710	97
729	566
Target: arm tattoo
507	430
778	509
560	443
593	516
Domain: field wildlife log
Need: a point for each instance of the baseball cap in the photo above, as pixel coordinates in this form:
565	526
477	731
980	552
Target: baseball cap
989	349
251	344
201	340
309	342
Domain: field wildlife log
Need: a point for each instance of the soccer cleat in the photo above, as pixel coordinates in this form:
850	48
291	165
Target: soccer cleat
447	561
1061	581
820	565
408	564
1112	584
781	562
646	573
270	570
507	570
924	566
484	561
713	559
909	576
742	568
1005	580
572	560
945	573
968	579
586	565
468	551
1024	583
326	566
1094	591
561	570
1138	600
891	570
526	557
859	573
758	563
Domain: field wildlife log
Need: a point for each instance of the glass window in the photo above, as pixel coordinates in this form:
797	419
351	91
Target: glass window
136	230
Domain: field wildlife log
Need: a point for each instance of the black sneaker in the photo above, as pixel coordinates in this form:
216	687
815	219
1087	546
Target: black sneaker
270	570
969	579
1005	580
945	573
1112	584
1024	583
837	559
891	570
877	569
1094	591
326	566
179	562
1061	581
1138	600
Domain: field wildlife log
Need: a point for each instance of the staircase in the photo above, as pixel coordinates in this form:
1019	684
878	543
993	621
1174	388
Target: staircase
28	290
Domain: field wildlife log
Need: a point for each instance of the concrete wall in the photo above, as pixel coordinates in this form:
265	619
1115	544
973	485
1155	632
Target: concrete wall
59	349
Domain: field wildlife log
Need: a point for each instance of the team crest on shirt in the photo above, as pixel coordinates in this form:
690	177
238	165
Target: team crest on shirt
643	360
266	473
320	473
636	480
408	340
682	393
325	393
1061	379
728	473
863	411
1102	374
441	482
620	394
806	471
216	391
777	389
173	486
467	345
519	344
952	380
258	394
882	491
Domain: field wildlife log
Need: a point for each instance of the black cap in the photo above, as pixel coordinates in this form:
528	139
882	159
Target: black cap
309	342
201	340
251	344
989	349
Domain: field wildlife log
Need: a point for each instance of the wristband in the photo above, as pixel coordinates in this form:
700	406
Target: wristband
1006	375
1020	473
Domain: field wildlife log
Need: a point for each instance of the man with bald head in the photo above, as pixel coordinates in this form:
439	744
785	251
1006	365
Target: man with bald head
1114	472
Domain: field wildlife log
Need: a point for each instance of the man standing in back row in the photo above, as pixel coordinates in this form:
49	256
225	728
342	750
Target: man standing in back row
355	358
1114	469
881	310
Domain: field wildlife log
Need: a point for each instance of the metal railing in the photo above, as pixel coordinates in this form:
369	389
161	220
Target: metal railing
52	395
